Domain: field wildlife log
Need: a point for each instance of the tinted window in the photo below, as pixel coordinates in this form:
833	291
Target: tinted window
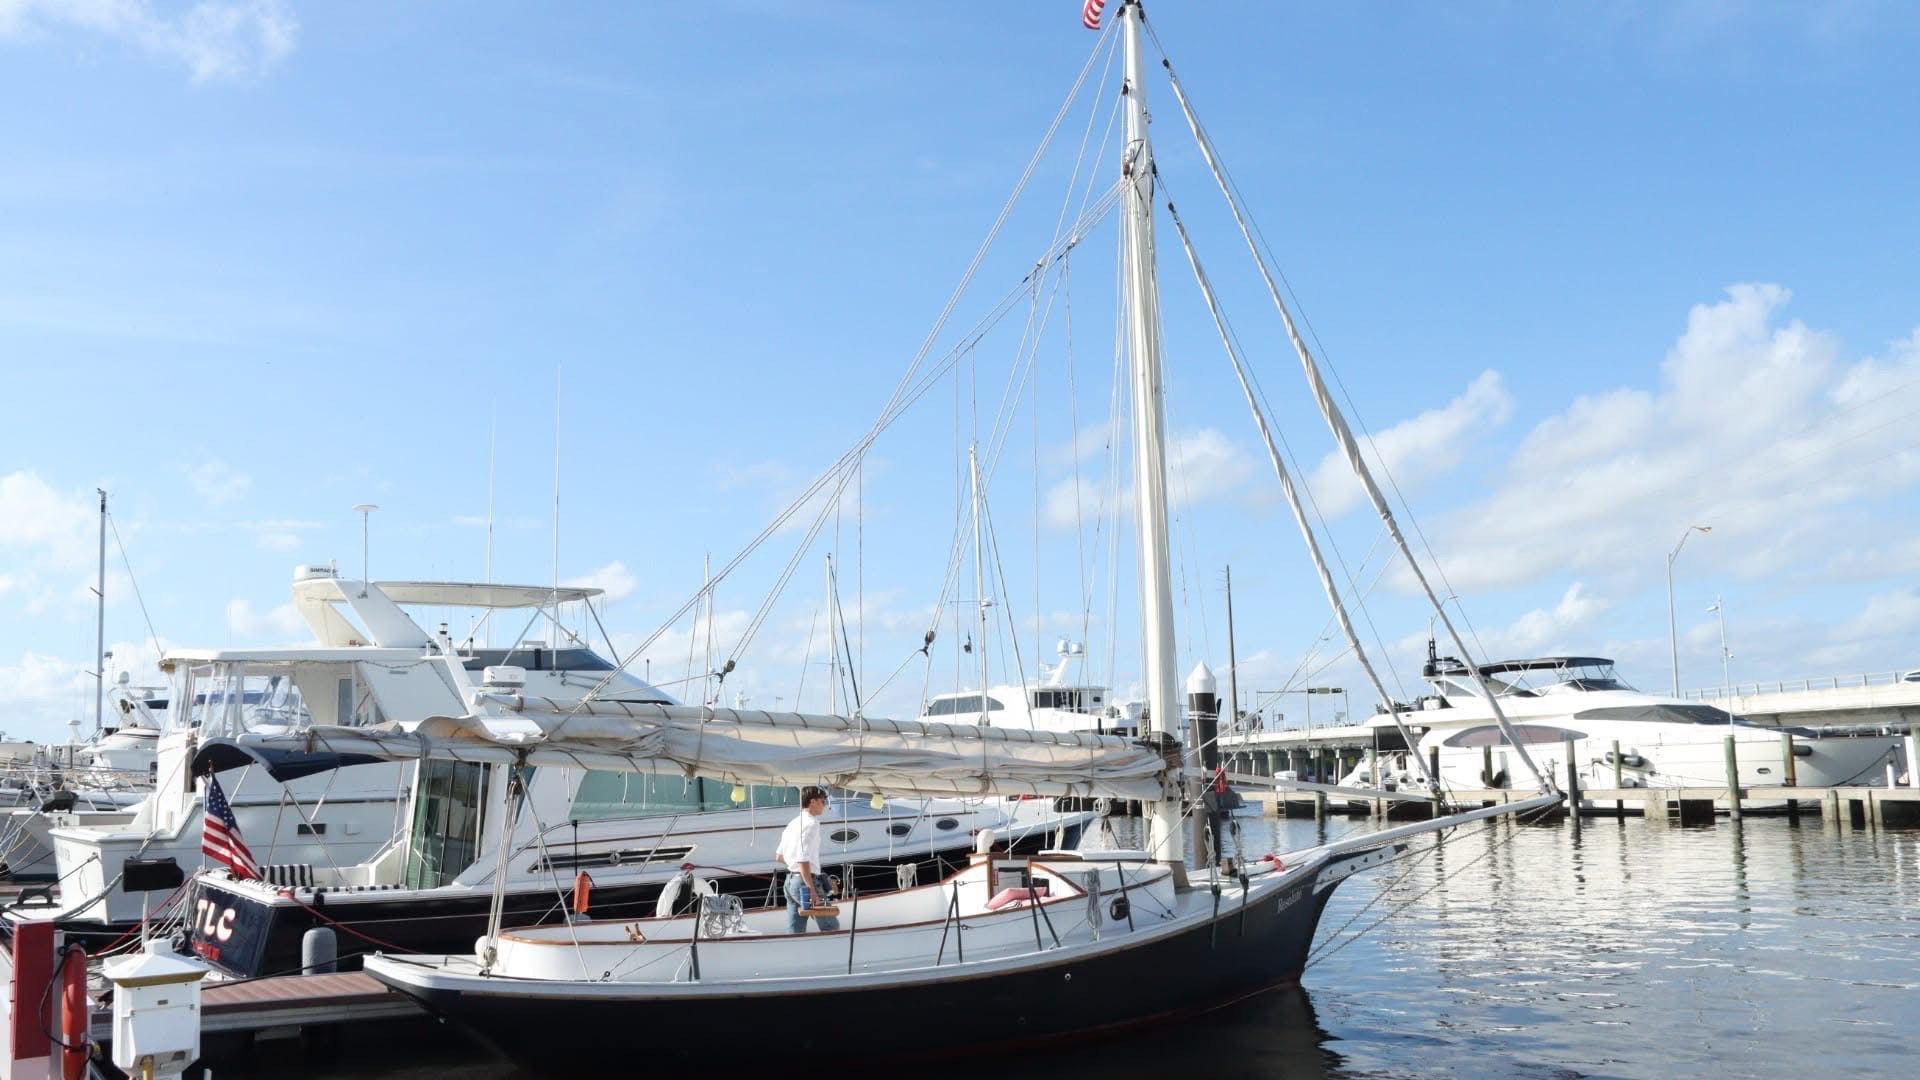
1530	735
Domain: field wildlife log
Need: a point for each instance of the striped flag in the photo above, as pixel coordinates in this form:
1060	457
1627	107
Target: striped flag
220	834
1090	14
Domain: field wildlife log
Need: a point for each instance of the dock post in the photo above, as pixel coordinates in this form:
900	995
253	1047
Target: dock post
1320	806
1486	766
1788	776
1733	780
1573	783
1619	805
1913	756
1830	808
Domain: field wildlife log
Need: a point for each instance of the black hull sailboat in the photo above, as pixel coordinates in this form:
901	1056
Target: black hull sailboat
249	935
1258	940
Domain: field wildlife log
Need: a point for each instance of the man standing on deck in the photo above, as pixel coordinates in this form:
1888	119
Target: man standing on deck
799	852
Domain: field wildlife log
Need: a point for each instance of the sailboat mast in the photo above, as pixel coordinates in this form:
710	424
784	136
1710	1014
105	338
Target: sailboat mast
1149	421
100	626
979	574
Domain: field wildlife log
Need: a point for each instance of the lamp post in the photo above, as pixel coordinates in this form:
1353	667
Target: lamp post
1673	633
1726	688
365	510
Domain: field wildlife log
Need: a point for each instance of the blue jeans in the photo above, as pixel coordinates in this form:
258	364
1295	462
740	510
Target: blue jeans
797	898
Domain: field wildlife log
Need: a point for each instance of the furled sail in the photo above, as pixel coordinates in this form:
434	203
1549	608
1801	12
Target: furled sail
894	757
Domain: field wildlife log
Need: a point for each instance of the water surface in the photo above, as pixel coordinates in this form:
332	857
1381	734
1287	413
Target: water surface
1628	949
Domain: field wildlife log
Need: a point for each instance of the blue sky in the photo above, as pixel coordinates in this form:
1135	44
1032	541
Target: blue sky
1591	273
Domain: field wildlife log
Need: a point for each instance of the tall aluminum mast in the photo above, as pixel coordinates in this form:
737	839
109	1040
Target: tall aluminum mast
1149	434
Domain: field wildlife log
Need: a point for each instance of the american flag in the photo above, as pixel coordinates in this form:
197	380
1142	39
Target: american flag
220	834
1090	14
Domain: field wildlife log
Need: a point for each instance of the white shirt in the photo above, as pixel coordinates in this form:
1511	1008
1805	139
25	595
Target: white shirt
800	843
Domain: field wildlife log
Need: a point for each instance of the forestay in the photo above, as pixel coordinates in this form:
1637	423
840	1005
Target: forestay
892	757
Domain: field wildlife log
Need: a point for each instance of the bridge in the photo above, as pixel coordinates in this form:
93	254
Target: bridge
1876	700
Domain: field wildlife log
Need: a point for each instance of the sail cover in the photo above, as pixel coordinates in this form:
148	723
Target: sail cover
893	757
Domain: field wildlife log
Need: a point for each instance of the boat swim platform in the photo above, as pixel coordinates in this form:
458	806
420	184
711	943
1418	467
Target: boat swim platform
1842	807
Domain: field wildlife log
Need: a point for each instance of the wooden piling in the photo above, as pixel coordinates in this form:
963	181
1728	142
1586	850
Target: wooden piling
1619	806
1788	777
1320	806
1573	783
1830	809
1733	779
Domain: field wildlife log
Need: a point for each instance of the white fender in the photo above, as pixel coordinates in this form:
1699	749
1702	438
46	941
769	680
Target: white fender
670	893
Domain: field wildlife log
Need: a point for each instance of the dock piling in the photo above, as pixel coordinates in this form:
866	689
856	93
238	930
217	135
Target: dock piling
1733	779
1619	807
1573	783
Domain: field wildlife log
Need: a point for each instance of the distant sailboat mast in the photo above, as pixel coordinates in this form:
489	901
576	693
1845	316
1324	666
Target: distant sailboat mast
100	627
1149	435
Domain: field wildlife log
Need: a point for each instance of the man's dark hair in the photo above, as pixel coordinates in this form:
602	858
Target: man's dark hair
810	793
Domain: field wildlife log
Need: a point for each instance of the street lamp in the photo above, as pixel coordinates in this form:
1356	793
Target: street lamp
1673	634
365	510
1726	689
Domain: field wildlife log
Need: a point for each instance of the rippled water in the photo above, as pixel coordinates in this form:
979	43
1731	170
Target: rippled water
1626	949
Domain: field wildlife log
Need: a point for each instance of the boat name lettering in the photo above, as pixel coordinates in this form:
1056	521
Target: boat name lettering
218	926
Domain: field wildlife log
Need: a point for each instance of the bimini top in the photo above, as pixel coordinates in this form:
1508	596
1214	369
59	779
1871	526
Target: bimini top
456	593
1447	665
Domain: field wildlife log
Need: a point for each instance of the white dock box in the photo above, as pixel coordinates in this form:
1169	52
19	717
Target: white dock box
156	1010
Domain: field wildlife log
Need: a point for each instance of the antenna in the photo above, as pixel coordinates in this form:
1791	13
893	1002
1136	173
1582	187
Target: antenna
365	510
556	496
493	431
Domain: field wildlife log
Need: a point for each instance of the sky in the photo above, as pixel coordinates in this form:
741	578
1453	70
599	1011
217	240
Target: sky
1587	274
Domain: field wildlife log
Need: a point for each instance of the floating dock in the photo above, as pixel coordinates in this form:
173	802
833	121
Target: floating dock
1844	807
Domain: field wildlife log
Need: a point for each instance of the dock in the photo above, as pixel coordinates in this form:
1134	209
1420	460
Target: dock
1842	807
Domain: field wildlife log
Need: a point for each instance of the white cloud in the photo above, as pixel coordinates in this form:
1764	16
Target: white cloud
1891	614
1757	429
1202	466
282	622
277	541
614	579
217	482
46	525
1427	445
213	39
1547	631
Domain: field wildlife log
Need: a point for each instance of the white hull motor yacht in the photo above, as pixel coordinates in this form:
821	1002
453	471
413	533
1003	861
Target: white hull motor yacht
82	783
1059	704
372	663
1656	740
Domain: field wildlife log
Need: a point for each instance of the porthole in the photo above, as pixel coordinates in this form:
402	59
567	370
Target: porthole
946	824
1764	771
899	828
844	836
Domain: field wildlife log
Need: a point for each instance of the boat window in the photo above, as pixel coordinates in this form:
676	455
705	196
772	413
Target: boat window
1074	700
1670	714
446	822
605	794
535	658
960	706
899	828
946	824
1530	735
844	836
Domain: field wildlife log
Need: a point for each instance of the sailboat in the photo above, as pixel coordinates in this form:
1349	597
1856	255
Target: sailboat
1016	950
